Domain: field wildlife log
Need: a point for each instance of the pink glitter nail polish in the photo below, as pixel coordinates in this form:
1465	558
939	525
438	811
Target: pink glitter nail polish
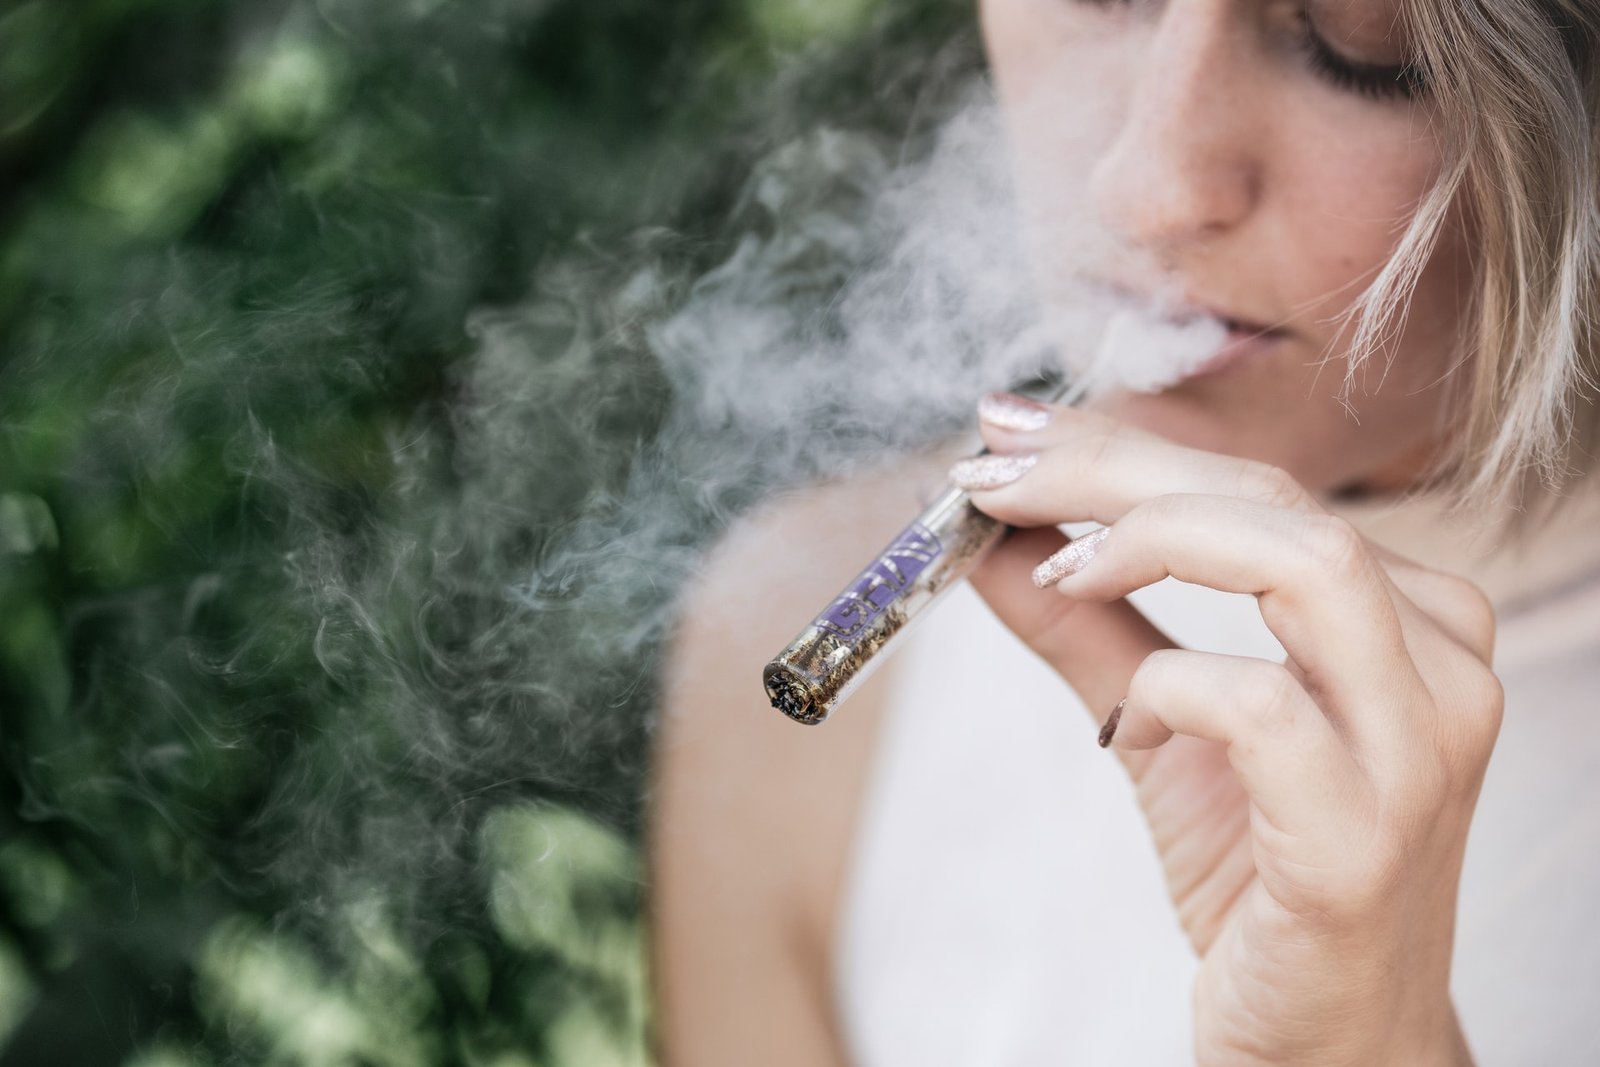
1008	411
992	471
1070	559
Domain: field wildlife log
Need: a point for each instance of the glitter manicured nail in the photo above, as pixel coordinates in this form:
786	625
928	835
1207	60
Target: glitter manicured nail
1008	411
1070	560
992	471
1111	723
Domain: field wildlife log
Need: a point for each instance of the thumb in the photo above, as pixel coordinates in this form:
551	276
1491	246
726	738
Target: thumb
1096	647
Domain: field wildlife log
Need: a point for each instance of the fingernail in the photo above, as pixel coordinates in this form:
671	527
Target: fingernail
1111	723
1070	560
1008	411
991	472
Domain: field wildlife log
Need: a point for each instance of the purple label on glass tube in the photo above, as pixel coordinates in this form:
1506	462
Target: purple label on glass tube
881	584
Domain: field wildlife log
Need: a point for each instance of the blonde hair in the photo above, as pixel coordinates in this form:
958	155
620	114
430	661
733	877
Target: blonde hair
1517	92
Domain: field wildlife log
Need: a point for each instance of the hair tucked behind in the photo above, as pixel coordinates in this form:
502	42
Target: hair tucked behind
1516	88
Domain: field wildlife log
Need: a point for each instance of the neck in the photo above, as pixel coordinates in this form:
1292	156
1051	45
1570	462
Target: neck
1397	474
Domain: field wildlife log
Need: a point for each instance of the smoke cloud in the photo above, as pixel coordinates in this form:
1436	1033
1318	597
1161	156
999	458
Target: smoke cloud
461	760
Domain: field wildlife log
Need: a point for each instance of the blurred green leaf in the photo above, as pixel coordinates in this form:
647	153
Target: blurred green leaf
38	57
151	176
291	776
26	525
272	989
38	884
798	22
17	989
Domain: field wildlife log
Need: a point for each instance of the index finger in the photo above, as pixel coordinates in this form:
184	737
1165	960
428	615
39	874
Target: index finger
1098	468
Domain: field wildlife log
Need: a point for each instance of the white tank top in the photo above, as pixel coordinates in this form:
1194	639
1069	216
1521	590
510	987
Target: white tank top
1005	906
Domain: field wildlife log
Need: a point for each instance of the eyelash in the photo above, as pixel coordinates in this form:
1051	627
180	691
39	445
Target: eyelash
1406	81
1374	82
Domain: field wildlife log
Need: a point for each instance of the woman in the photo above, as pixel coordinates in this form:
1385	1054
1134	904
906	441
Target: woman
1398	193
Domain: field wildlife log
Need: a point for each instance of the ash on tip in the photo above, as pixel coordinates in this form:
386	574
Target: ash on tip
1069	560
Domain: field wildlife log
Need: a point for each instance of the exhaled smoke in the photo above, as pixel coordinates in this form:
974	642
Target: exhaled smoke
864	321
493	633
604	429
1145	351
486	631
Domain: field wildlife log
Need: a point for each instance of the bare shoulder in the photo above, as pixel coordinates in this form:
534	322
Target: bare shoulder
752	815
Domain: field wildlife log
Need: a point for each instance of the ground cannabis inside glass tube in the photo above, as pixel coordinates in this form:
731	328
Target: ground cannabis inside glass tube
822	666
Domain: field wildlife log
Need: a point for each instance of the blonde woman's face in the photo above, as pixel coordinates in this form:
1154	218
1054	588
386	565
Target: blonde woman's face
1255	156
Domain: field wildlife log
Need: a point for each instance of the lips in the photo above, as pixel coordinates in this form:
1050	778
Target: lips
1239	325
1183	310
1238	339
1239	346
1238	328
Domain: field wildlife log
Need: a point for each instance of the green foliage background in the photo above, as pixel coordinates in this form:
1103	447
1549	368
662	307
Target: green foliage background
241	244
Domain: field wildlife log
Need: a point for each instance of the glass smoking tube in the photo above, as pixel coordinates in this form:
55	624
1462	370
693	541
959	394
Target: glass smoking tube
853	634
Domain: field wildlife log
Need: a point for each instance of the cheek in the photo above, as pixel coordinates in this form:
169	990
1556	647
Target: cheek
1017	51
1338	178
1341	184
1347	202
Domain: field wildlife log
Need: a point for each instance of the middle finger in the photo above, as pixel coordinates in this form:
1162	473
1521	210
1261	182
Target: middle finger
1321	594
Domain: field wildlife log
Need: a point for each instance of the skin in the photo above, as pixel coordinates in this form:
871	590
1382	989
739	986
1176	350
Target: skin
1311	818
1311	815
1194	141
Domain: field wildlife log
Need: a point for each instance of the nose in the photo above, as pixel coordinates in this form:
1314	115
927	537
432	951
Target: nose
1184	166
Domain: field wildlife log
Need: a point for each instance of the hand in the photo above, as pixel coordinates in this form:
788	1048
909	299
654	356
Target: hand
1311	816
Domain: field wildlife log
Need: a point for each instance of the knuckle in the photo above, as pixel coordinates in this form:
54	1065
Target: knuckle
1168	509
1379	870
1273	485
1419	793
1492	702
1334	545
1429	776
1155	524
1472	611
1274	700
1415	805
1476	712
1455	604
1422	789
1400	820
1371	867
1153	676
1101	443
